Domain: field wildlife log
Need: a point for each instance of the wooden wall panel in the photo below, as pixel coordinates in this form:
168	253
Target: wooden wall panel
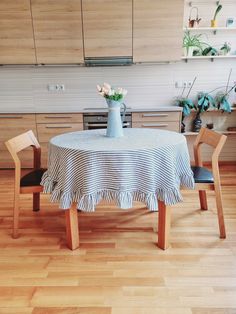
58	31
157	30
107	27
16	33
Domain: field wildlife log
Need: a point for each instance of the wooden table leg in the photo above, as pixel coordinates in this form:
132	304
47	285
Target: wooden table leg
164	218
72	227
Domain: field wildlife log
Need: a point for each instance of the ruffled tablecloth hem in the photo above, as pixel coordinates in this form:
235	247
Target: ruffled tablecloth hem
123	199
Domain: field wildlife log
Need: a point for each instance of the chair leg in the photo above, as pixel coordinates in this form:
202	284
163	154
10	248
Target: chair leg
220	213
36	202
203	200
16	217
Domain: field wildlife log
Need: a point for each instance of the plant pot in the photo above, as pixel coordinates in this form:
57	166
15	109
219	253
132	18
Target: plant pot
197	123
213	23
188	51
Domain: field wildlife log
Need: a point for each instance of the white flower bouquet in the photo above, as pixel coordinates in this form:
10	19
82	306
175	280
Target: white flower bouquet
110	93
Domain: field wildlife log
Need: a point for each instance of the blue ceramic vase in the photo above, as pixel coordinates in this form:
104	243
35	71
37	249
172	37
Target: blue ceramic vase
114	123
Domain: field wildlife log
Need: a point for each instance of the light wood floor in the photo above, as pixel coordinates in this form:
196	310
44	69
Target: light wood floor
118	268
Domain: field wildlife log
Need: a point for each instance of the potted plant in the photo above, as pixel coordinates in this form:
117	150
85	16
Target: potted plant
214	21
204	102
191	42
222	99
186	103
225	49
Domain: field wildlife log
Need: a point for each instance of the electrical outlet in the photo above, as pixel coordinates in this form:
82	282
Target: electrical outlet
185	84
55	87
189	84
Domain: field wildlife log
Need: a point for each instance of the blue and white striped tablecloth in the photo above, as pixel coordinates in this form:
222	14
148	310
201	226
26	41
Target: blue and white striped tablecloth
144	165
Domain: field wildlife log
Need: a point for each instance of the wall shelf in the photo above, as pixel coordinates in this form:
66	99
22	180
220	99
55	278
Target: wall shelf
196	133
207	57
213	29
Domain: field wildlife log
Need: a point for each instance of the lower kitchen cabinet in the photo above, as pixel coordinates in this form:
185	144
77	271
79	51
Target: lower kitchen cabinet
165	120
12	125
49	125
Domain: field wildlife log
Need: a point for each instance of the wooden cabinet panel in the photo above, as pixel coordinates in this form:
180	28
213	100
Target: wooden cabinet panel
52	124
157	30
59	118
170	126
16	33
156	116
166	120
47	131
12	125
107	26
58	31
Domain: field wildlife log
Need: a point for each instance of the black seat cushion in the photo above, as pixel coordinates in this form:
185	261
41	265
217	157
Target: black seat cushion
32	178
202	175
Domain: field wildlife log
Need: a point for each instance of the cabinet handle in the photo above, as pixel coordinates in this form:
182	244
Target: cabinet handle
155	115
155	124
11	117
58	127
58	117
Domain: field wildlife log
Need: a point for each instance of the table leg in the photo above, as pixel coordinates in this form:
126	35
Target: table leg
164	218
72	227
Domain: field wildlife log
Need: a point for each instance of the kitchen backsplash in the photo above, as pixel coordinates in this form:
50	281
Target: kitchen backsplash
25	89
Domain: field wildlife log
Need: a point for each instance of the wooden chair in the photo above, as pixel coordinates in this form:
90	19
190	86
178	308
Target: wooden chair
29	183
209	180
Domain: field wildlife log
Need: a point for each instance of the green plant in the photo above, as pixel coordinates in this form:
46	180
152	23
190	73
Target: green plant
225	48
209	51
193	40
205	101
219	7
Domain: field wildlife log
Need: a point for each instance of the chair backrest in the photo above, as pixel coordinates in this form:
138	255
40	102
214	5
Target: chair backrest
22	141
211	138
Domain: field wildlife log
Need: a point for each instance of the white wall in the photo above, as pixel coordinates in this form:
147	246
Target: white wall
24	89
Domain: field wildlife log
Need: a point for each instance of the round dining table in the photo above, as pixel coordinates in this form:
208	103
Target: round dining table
145	165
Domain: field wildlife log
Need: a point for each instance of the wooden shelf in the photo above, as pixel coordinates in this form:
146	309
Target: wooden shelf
209	28
196	133
207	57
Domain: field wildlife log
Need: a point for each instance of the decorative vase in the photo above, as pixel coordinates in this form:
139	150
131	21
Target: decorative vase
114	123
213	23
197	123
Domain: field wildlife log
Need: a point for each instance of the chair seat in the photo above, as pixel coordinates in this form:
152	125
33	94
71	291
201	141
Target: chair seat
202	175
32	178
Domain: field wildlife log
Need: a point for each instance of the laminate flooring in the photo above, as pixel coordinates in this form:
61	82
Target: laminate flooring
118	267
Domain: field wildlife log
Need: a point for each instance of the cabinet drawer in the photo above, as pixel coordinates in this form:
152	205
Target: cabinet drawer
156	116
170	126
59	118
12	125
26	157
47	131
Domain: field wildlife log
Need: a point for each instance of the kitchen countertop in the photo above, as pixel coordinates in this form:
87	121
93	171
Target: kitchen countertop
92	110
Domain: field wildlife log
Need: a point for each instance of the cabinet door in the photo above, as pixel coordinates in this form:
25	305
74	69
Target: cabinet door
12	125
58	31
107	26
158	30
16	32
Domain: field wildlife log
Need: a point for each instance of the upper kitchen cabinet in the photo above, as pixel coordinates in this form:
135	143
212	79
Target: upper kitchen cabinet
58	31
16	32
157	30
107	26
